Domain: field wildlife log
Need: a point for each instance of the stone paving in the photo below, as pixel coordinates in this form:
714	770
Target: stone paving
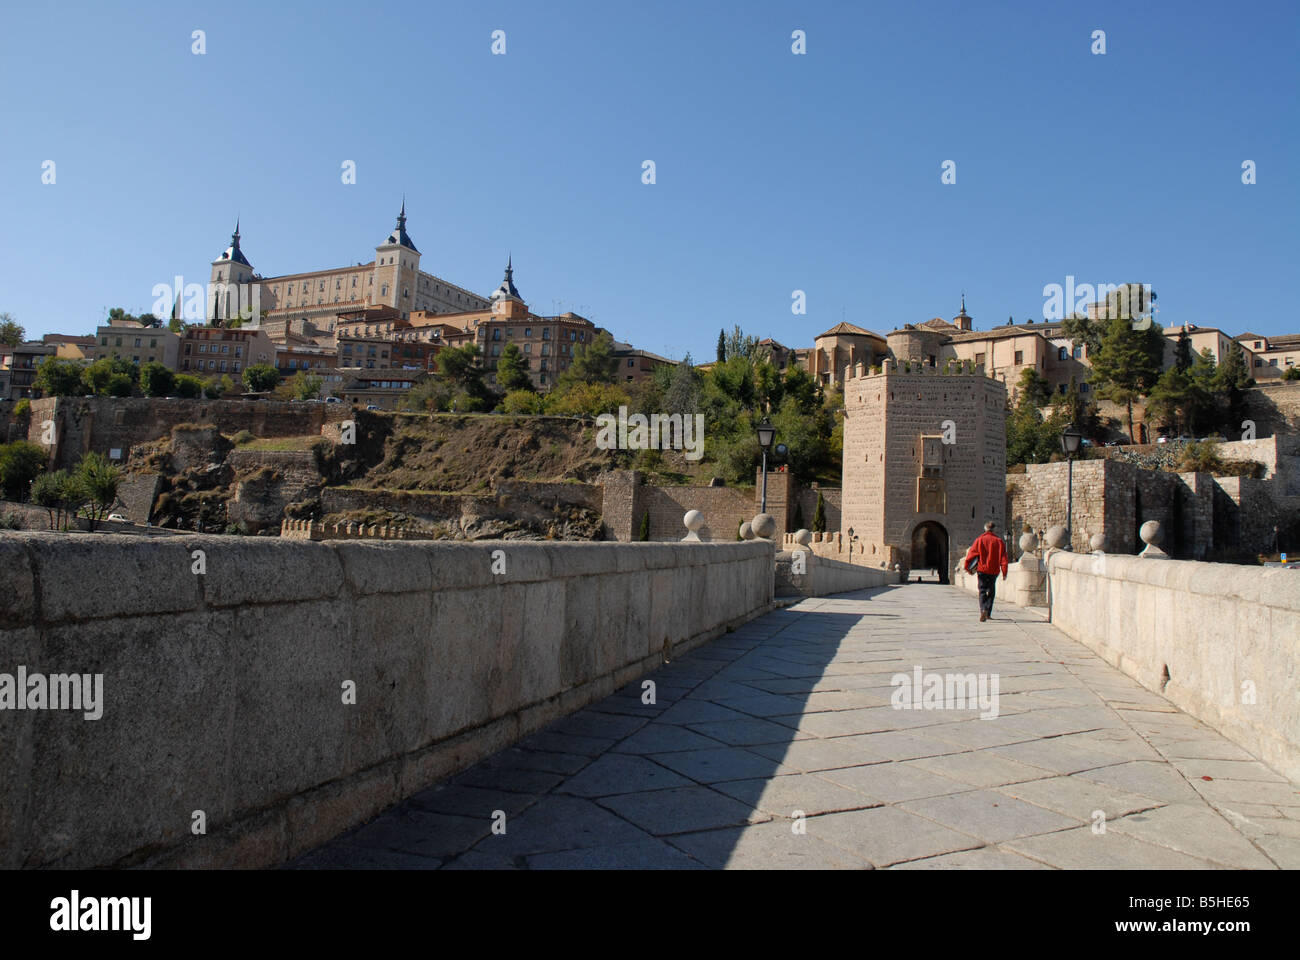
776	746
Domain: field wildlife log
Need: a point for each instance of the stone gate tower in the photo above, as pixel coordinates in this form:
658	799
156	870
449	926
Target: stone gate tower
924	463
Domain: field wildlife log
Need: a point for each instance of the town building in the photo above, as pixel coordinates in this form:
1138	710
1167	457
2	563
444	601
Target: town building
136	343
636	365
212	351
1270	357
22	361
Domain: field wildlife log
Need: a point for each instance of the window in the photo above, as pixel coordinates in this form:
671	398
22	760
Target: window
572	335
236	366
631	363
1062	353
546	333
1259	362
543	378
510	332
496	349
153	343
528	348
103	341
223	366
1256	344
119	341
543	364
1272	361
546	349
528	331
203	348
1078	352
225	348
1020	357
496	334
322	286
1084	388
238	352
979	359
187	349
1060	388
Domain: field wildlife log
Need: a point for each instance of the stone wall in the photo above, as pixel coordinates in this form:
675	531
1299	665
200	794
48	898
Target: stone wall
226	691
1218	640
102	424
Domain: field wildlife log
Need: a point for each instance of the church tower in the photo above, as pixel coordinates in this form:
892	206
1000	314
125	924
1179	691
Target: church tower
397	269
506	302
231	287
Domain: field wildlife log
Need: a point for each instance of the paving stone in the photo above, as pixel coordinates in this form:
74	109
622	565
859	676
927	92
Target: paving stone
546	760
1215	748
346	856
766	704
906	745
619	773
1227	770
723	763
1082	849
806	793
1146	778
512	778
887	835
648	854
979	769
893	782
1284	851
589	723
1195	831
664	738
813	755
1056	755
992	816
985	858
766	846
424	834
557	823
749	731
682	810
1079	798
567	743
1248	791
467	801
699	711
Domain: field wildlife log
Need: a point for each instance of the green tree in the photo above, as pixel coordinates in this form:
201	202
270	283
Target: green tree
20	463
260	377
593	363
96	376
59	377
1292	373
1174	399
99	479
214	388
1128	363
120	385
1183	351
722	346
1082	331
176	325
11	333
643	533
188	386
512	370
1034	386
819	514
459	366
157	379
306	386
682	394
522	402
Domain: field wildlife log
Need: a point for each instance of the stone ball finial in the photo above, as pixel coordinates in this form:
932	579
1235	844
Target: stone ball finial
1027	542
763	525
803	536
1152	532
1056	536
747	531
693	520
1098	541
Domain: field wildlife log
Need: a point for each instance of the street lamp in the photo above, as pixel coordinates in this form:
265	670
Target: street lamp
1071	437
766	433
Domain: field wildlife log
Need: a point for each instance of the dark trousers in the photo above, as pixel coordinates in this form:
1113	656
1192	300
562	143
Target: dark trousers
988	587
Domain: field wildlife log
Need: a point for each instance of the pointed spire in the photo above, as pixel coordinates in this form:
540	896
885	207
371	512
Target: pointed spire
233	253
507	288
963	304
398	235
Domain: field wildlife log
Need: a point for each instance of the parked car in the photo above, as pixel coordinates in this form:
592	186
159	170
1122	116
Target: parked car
118	517
371	406
333	400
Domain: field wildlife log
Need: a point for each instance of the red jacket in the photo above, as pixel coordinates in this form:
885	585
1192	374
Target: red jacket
991	551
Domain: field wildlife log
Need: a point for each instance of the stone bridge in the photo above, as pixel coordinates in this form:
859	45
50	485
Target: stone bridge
530	705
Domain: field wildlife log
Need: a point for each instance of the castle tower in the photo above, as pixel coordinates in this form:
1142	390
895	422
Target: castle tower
397	269
232	292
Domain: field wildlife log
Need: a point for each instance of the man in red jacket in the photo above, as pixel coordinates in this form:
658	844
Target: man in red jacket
991	555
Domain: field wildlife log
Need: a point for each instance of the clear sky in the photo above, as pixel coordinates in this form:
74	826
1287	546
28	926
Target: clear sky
775	172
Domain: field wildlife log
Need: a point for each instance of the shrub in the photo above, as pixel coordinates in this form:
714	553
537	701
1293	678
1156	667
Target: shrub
522	401
644	532
242	437
1292	373
213	389
22	409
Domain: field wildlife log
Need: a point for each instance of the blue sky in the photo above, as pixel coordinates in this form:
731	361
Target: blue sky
775	172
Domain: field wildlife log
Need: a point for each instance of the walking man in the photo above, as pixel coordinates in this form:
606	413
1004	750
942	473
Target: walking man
991	556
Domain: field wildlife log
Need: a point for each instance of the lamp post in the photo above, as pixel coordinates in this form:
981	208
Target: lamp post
1071	437
851	539
766	432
